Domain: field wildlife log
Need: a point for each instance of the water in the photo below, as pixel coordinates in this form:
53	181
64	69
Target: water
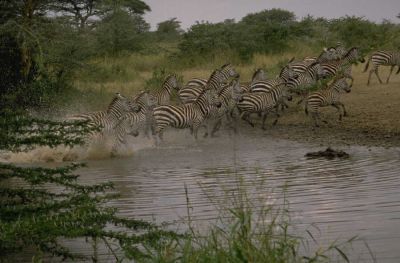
343	197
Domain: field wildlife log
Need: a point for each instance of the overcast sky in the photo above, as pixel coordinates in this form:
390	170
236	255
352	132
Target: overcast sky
190	11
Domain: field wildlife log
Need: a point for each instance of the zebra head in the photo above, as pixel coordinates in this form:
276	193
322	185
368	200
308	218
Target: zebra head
343	85
213	98
328	54
259	74
237	90
229	71
172	80
146	100
315	69
354	55
121	105
287	73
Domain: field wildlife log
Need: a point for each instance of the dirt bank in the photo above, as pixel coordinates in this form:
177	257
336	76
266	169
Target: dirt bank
374	116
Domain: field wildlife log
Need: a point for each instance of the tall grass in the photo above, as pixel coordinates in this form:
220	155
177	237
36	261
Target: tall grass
249	230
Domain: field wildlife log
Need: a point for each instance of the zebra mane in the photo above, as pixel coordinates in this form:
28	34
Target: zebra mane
116	98
256	72
348	52
225	65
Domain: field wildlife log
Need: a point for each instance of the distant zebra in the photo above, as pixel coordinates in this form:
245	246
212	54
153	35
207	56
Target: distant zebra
107	120
261	103
327	97
190	115
226	70
383	58
340	49
326	55
163	96
194	88
343	65
134	122
309	77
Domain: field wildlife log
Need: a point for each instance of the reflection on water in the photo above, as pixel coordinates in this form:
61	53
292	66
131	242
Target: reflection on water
355	196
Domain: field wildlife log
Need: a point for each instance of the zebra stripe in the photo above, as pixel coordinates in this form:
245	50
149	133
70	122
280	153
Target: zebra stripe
188	115
343	65
190	93
309	77
260	103
134	122
107	120
227	70
327	97
383	58
229	95
163	96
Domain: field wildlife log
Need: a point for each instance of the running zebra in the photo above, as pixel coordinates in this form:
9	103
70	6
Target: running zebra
261	103
163	96
383	58
327	97
340	49
133	122
229	95
309	77
343	66
190	115
107	120
193	89
227	70
259	74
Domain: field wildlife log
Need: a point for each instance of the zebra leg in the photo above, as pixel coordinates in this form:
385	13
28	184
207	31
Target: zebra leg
217	126
343	107
263	120
369	76
277	117
377	74
315	117
338	109
391	70
246	117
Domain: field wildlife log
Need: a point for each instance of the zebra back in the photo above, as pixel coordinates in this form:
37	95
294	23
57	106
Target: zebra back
163	95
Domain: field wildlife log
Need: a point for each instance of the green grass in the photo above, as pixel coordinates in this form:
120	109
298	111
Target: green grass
248	230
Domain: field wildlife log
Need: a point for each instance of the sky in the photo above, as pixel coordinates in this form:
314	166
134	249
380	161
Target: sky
190	11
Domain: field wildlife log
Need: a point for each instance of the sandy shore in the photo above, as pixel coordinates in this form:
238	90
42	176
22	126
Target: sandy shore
373	116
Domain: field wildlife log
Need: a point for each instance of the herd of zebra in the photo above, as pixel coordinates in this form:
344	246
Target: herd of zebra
207	102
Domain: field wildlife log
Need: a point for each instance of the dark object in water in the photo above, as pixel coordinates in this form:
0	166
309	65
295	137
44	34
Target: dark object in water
328	153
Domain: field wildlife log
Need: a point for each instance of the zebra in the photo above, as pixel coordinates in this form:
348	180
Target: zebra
190	115
384	58
326	55
132	122
261	103
229	95
227	70
107	120
343	65
340	49
191	91
259	74
327	97
163	96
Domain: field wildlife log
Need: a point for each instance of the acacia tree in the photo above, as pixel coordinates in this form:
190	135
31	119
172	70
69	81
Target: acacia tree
169	29
31	216
85	12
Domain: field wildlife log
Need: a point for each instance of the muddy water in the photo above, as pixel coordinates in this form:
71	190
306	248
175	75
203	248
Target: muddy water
355	196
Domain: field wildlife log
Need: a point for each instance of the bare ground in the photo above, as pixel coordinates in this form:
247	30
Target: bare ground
373	116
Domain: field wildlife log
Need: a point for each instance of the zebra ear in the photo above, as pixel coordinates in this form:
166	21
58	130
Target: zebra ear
291	60
325	49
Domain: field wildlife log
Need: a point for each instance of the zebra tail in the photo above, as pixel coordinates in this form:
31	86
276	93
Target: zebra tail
398	71
367	65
